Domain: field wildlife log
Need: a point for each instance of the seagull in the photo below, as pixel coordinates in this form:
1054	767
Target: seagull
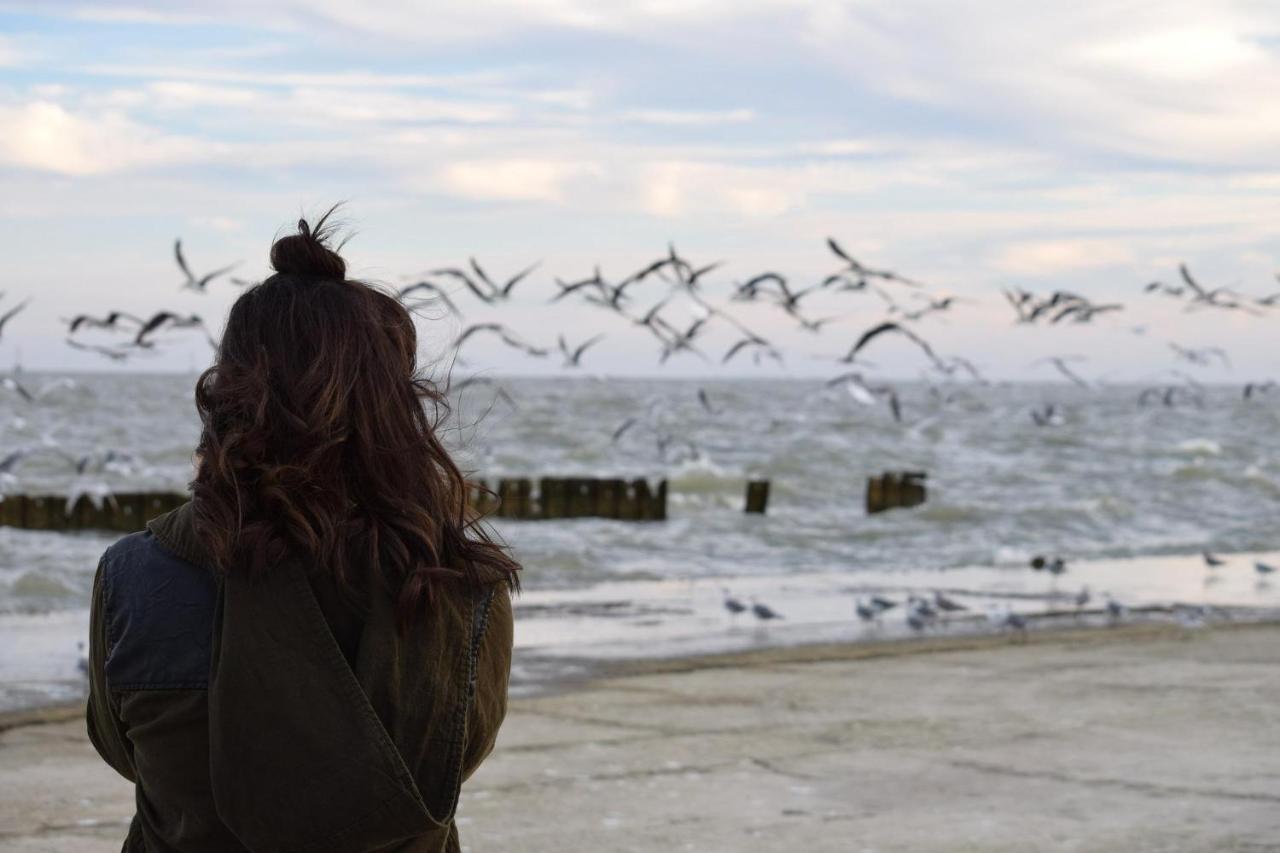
866	612
107	322
1057	567
1060	364
749	341
916	621
1048	416
573	358
733	605
115	353
706	402
864	273
432	288
497	293
882	604
161	319
1263	569
622	429
508	337
1115	609
1211	561
947	604
11	313
883	328
764	612
193	283
1082	598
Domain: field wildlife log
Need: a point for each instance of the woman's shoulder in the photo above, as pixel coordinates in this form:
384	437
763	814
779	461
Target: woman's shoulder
158	607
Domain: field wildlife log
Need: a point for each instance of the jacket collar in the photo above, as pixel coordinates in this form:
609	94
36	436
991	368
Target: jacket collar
176	531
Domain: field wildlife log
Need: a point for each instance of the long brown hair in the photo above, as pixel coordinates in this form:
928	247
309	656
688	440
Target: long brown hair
317	443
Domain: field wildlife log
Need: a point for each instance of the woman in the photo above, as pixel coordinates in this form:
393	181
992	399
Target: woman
312	654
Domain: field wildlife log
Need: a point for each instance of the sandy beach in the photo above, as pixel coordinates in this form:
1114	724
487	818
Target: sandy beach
1141	738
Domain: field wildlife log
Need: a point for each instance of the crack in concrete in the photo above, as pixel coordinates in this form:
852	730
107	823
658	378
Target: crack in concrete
1127	784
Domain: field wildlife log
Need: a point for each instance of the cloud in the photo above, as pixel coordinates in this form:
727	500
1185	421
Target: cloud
1051	257
514	179
693	118
10	55
45	136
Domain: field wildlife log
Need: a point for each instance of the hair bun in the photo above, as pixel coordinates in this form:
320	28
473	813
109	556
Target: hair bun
307	253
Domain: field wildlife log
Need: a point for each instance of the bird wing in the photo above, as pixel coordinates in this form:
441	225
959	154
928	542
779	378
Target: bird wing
182	262
839	252
518	277
577	354
9	315
211	276
1191	282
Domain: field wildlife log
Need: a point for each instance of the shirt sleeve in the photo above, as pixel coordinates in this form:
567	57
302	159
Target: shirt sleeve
106	730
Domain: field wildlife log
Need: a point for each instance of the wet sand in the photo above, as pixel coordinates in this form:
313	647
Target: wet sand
1149	737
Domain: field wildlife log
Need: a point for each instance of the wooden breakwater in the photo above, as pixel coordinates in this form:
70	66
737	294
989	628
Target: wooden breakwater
511	497
572	497
893	490
122	511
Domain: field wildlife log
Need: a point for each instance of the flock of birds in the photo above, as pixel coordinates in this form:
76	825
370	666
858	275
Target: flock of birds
649	298
648	301
922	613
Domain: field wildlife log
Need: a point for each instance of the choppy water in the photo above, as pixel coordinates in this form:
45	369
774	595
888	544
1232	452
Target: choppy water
1113	480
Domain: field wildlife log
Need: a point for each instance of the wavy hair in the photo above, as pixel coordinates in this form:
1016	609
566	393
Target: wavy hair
317	442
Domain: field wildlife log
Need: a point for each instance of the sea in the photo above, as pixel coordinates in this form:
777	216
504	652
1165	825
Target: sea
1129	496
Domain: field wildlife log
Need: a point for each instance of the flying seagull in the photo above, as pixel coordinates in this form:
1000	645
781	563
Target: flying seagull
193	283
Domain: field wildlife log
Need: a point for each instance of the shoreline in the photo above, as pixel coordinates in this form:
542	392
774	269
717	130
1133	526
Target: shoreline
588	671
1144	737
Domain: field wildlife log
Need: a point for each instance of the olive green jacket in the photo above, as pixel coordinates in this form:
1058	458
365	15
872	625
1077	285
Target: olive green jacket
264	716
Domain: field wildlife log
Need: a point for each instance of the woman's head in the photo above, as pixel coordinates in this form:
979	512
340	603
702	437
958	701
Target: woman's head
319	438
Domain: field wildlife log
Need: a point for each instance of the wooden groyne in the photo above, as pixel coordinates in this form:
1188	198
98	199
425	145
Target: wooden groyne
572	497
122	511
510	497
893	490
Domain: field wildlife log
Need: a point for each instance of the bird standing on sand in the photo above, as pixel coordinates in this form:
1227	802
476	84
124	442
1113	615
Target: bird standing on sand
733	605
866	612
1115	609
1263	569
881	603
946	604
1082	598
764	612
1213	562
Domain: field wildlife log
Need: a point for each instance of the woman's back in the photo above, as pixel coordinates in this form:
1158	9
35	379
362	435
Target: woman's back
264	701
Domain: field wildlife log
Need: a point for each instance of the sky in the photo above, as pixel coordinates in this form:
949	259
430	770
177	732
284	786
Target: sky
1091	146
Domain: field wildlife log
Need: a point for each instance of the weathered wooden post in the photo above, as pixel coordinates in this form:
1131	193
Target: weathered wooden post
890	490
611	494
651	505
757	496
128	511
628	501
581	497
551	497
482	499
911	490
13	510
45	512
514	497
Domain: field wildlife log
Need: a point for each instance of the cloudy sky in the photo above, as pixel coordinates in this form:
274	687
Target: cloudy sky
973	146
